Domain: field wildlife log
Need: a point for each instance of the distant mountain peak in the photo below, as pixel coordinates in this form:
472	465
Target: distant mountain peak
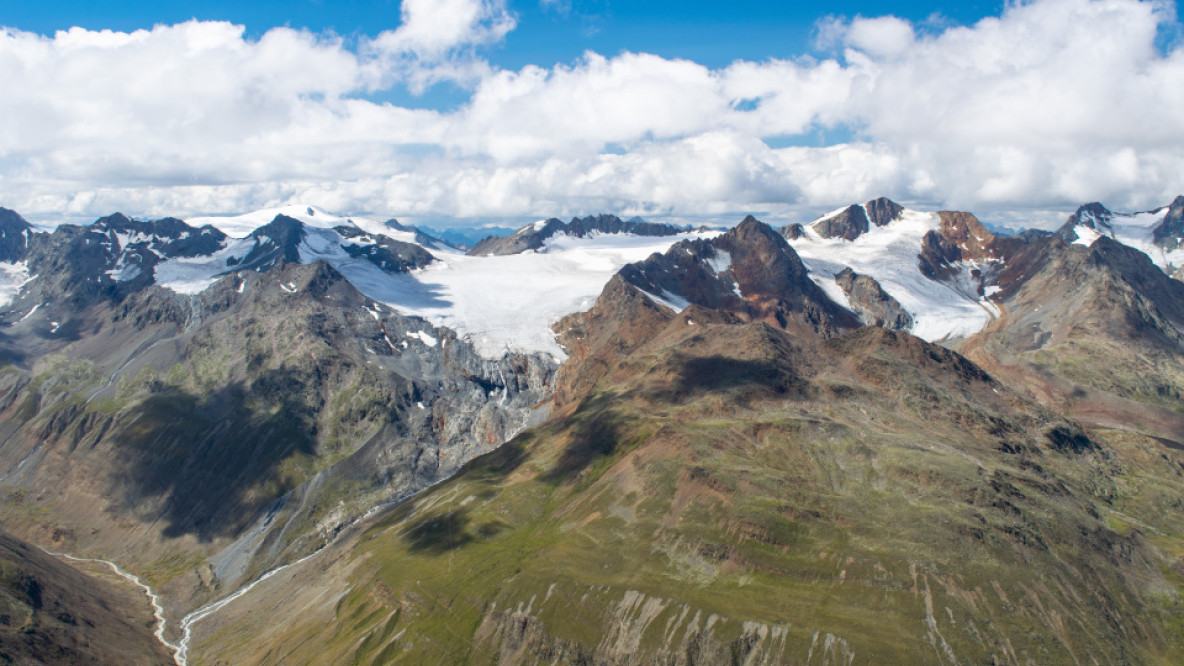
533	236
857	219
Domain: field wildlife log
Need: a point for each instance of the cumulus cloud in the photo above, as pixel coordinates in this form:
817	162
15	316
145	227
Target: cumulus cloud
436	41
1050	104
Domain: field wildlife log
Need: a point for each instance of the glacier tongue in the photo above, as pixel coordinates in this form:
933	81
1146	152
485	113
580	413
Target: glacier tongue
508	302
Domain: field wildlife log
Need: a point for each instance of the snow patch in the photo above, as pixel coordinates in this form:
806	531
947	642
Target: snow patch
124	272
193	275
668	300
423	337
508	303
13	276
721	262
1085	235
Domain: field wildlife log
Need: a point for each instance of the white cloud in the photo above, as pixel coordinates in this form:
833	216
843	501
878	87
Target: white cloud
436	39
1053	103
883	37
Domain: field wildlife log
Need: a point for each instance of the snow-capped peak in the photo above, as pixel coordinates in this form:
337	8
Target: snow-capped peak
889	253
239	226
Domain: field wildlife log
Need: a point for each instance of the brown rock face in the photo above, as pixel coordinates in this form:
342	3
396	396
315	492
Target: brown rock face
971	237
621	321
776	284
961	237
761	278
854	221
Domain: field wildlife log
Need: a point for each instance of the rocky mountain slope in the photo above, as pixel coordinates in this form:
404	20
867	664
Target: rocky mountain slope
718	490
1095	331
199	439
746	418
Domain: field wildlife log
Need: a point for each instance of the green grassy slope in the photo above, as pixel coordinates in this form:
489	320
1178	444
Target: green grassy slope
733	495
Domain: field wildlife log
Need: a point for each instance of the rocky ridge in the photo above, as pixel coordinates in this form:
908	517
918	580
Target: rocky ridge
532	237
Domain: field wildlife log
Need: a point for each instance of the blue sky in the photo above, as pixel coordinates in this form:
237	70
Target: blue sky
710	33
487	110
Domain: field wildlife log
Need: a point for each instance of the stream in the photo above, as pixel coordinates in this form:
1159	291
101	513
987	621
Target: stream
157	609
180	649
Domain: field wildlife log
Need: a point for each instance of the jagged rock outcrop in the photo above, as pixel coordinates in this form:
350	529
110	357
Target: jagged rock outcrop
276	243
874	306
1091	215
882	211
849	224
961	237
1170	233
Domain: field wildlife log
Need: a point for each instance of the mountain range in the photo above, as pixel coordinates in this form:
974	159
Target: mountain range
883	436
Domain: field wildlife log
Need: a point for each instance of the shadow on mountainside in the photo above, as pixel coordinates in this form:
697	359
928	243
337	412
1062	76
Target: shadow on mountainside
695	377
215	460
595	431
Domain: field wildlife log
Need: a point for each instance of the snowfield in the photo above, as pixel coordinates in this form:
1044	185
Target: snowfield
499	303
192	275
508	303
890	255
